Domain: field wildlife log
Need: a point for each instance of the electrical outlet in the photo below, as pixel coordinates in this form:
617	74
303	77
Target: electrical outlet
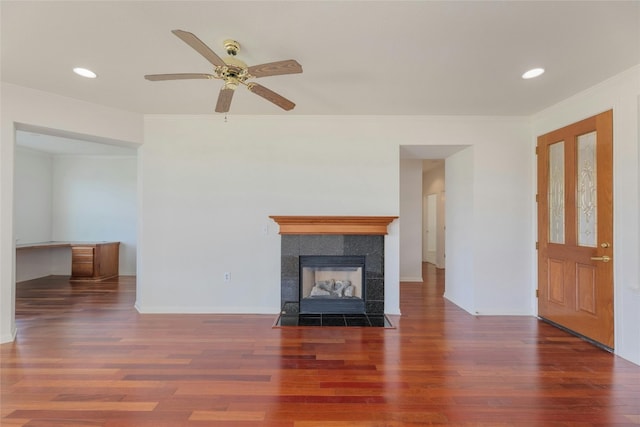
227	276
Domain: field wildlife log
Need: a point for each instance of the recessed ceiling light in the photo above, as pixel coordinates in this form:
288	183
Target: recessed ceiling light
85	73
533	73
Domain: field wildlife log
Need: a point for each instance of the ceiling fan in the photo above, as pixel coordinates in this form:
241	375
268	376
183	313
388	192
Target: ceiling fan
234	72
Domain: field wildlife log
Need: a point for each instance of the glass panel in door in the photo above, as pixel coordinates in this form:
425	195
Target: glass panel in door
556	193
587	191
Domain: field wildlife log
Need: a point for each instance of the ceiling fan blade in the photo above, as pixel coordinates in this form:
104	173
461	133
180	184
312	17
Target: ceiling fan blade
179	76
224	100
199	47
271	96
289	66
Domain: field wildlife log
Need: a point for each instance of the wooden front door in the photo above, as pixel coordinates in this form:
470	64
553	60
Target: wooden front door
575	227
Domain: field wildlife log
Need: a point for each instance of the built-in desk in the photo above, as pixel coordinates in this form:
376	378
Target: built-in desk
91	261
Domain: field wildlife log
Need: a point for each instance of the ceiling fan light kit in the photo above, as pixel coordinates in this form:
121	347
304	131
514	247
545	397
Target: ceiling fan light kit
233	72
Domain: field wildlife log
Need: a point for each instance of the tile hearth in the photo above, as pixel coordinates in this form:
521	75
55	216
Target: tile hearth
345	320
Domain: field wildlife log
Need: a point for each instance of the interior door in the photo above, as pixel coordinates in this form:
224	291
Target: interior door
575	227
432	229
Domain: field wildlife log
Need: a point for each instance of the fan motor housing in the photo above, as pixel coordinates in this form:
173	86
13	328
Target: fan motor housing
232	47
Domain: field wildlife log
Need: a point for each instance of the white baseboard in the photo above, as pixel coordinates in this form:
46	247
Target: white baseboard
205	310
411	279
9	337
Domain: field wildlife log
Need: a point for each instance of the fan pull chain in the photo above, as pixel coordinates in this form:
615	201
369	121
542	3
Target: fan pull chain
225	117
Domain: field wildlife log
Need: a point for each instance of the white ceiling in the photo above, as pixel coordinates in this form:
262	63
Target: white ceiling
57	145
359	57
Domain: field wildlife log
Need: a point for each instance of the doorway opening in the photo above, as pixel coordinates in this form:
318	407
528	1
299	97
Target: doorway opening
71	188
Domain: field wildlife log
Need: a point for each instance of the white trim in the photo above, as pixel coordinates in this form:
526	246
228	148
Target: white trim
9	337
411	279
206	310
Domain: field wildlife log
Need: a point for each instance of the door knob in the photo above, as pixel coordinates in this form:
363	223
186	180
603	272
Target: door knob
605	244
603	258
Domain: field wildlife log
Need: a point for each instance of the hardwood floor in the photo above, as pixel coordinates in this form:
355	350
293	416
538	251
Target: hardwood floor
85	357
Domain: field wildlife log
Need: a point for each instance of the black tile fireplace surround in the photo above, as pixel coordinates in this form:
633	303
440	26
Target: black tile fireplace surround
371	247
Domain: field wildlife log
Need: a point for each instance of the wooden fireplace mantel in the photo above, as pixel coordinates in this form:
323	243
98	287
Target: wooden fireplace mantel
371	225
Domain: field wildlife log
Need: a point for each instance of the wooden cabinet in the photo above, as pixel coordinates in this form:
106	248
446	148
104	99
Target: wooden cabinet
94	261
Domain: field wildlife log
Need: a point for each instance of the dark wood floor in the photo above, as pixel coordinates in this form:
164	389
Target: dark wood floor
85	357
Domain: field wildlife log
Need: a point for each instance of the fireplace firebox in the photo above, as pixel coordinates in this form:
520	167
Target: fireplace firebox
332	284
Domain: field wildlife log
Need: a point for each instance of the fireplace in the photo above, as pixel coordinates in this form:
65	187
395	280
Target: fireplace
332	284
358	242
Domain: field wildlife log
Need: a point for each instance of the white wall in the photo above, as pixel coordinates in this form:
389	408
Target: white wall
34	110
500	203
411	220
95	199
209	187
433	182
33	200
460	286
620	94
